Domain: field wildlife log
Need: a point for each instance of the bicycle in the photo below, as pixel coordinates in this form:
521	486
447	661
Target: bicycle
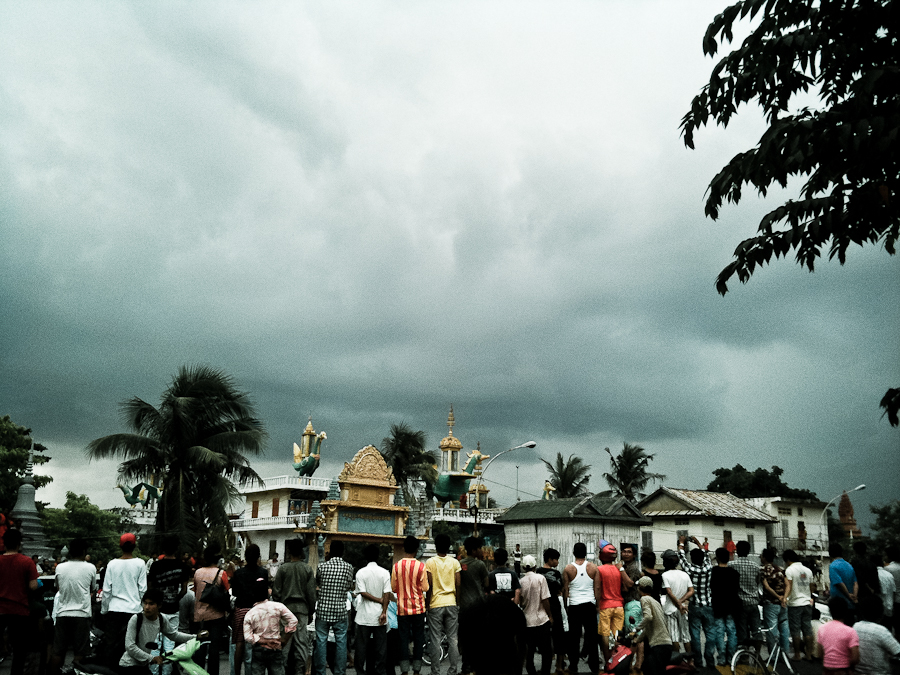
747	662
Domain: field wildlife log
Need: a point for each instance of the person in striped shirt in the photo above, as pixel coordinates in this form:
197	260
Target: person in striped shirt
409	581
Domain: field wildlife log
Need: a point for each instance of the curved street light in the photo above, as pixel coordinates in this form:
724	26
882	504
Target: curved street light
526	444
823	527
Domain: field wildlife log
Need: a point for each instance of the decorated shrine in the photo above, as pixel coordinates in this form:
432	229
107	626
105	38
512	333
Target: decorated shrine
366	507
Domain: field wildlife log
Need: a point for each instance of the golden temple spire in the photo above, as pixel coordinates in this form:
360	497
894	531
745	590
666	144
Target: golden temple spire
451	420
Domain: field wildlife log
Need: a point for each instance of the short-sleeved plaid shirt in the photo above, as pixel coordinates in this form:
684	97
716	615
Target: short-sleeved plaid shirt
334	578
699	575
748	569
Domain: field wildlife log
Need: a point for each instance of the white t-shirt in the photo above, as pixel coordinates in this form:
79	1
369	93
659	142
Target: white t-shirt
679	582
124	586
800	577
76	581
888	590
374	580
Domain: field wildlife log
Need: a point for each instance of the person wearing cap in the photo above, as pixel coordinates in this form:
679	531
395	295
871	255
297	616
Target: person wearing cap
613	578
653	631
535	600
124	586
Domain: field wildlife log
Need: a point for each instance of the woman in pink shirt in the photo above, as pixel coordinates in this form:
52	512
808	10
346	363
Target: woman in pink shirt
838	642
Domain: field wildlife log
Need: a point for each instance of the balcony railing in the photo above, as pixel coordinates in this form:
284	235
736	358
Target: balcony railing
299	483
270	523
796	544
463	515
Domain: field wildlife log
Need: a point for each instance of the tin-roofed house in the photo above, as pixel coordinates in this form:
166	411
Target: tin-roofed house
714	517
561	523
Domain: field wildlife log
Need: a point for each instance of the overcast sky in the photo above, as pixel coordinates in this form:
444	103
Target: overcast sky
367	211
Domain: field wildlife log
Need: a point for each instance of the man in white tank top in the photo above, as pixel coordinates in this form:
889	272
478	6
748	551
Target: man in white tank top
581	588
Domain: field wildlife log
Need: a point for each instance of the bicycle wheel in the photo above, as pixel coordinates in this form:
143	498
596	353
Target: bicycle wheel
782	664
746	662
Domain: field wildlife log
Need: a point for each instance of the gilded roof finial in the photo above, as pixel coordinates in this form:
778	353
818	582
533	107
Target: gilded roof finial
451	420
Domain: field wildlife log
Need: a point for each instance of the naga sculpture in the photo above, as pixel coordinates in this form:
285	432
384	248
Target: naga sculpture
450	486
136	495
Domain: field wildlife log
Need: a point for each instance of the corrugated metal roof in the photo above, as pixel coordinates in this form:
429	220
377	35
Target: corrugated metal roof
703	503
595	507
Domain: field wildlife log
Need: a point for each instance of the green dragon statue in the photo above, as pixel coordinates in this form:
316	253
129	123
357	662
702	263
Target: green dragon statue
450	486
307	465
137	495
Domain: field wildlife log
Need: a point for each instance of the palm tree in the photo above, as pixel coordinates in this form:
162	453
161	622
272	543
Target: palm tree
629	475
569	477
196	441
404	451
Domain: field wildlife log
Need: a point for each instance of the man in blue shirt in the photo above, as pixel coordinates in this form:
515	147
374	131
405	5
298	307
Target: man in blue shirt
843	578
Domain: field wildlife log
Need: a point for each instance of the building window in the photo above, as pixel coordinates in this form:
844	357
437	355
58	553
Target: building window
273	548
750	526
719	523
254	510
799	510
646	541
274	506
785	511
682	522
751	542
681	533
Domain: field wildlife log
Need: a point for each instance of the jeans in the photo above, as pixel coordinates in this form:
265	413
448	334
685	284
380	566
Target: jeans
583	617
209	658
411	628
747	624
726	639
299	643
776	618
340	643
800	621
371	649
444	621
248	658
269	661
701	617
538	638
18	627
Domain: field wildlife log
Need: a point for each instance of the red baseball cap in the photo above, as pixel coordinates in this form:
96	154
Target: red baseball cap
126	538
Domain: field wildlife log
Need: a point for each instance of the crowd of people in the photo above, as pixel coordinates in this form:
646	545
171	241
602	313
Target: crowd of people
459	613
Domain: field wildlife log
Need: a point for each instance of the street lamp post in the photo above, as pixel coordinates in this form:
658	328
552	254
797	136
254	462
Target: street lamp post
527	444
824	528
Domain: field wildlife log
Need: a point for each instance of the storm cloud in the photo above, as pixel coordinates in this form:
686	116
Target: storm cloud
365	212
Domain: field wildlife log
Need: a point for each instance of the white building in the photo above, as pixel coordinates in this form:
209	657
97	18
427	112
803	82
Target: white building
799	524
275	508
712	516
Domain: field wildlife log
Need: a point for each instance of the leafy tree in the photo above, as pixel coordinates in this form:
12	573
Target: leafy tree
760	483
629	475
15	443
80	518
197	441
886	529
405	452
569	477
846	145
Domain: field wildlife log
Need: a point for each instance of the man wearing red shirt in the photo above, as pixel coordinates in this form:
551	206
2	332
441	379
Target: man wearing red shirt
409	581
18	576
612	612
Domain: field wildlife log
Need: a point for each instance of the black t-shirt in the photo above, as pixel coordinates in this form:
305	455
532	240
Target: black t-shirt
242	584
657	591
503	581
725	589
553	577
169	576
473	575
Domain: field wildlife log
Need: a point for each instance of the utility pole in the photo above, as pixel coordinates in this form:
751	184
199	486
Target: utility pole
517	482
